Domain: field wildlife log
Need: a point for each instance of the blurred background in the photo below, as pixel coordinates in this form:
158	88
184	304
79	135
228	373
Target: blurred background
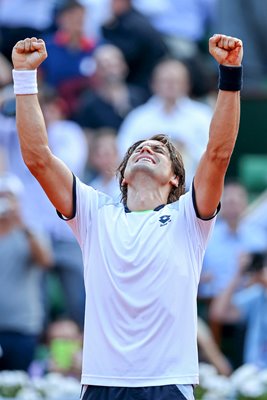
118	71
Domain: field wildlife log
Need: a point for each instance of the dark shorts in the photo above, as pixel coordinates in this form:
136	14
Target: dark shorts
167	392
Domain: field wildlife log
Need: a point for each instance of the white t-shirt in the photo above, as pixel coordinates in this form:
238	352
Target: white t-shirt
141	275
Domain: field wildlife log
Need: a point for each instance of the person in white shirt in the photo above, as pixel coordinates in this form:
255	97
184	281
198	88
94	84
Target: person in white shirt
170	110
142	257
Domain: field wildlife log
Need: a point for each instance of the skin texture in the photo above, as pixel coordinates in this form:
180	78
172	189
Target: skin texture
148	183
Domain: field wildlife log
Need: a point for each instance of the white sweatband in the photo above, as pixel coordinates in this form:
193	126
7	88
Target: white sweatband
25	81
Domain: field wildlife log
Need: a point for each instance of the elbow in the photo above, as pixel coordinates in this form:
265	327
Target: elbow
216	311
215	315
219	156
37	162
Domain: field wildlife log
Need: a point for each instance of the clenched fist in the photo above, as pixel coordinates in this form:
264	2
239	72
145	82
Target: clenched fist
226	50
28	54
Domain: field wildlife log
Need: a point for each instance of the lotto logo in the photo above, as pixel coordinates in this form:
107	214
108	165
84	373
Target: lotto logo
164	220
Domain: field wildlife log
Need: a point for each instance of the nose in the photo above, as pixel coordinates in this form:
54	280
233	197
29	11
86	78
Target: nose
146	148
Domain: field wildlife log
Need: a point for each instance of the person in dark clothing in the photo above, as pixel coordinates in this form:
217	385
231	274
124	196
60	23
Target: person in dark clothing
110	98
140	43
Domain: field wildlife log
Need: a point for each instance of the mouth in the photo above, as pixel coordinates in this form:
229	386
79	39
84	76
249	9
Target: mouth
145	159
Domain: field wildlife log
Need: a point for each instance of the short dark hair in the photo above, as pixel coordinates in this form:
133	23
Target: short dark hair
176	161
67	5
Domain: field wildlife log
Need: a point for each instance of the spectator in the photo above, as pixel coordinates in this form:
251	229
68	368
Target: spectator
70	63
97	13
21	253
140	43
69	144
247	19
20	18
256	213
104	159
64	342
68	141
183	24
111	98
231	239
249	304
170	110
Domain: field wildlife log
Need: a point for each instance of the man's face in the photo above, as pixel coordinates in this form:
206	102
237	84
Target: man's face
171	81
234	202
151	158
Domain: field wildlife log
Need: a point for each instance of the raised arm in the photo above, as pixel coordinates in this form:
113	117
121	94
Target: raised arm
53	175
209	178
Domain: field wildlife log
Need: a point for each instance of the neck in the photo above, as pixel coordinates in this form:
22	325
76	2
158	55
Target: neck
146	195
169	105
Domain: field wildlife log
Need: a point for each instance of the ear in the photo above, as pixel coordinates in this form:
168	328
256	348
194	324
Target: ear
174	181
123	182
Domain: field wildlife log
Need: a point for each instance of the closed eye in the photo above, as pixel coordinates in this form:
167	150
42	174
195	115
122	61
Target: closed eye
159	149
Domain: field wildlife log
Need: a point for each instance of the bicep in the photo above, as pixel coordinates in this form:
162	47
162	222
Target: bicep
208	185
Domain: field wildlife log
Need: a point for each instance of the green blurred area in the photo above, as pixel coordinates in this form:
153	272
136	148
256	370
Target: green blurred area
249	160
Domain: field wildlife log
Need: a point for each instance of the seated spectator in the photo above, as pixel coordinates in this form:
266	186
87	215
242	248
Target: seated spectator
70	62
22	253
248	304
140	43
170	110
184	26
59	350
64	342
104	159
111	98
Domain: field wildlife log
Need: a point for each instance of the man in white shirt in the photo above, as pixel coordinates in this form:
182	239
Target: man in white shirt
170	110
142	257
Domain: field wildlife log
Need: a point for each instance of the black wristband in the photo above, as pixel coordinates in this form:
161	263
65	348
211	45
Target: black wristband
230	78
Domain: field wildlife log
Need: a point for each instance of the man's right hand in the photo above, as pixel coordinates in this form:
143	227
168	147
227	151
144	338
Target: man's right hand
28	54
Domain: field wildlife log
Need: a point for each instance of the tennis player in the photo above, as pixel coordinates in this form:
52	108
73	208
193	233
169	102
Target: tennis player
143	256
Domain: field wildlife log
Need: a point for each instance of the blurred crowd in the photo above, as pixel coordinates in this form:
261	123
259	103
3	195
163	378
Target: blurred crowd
118	71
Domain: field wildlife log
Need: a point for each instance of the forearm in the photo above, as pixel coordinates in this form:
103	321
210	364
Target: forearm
216	357
224	127
31	129
41	253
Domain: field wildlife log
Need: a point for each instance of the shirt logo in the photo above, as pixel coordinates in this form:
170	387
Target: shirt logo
164	220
